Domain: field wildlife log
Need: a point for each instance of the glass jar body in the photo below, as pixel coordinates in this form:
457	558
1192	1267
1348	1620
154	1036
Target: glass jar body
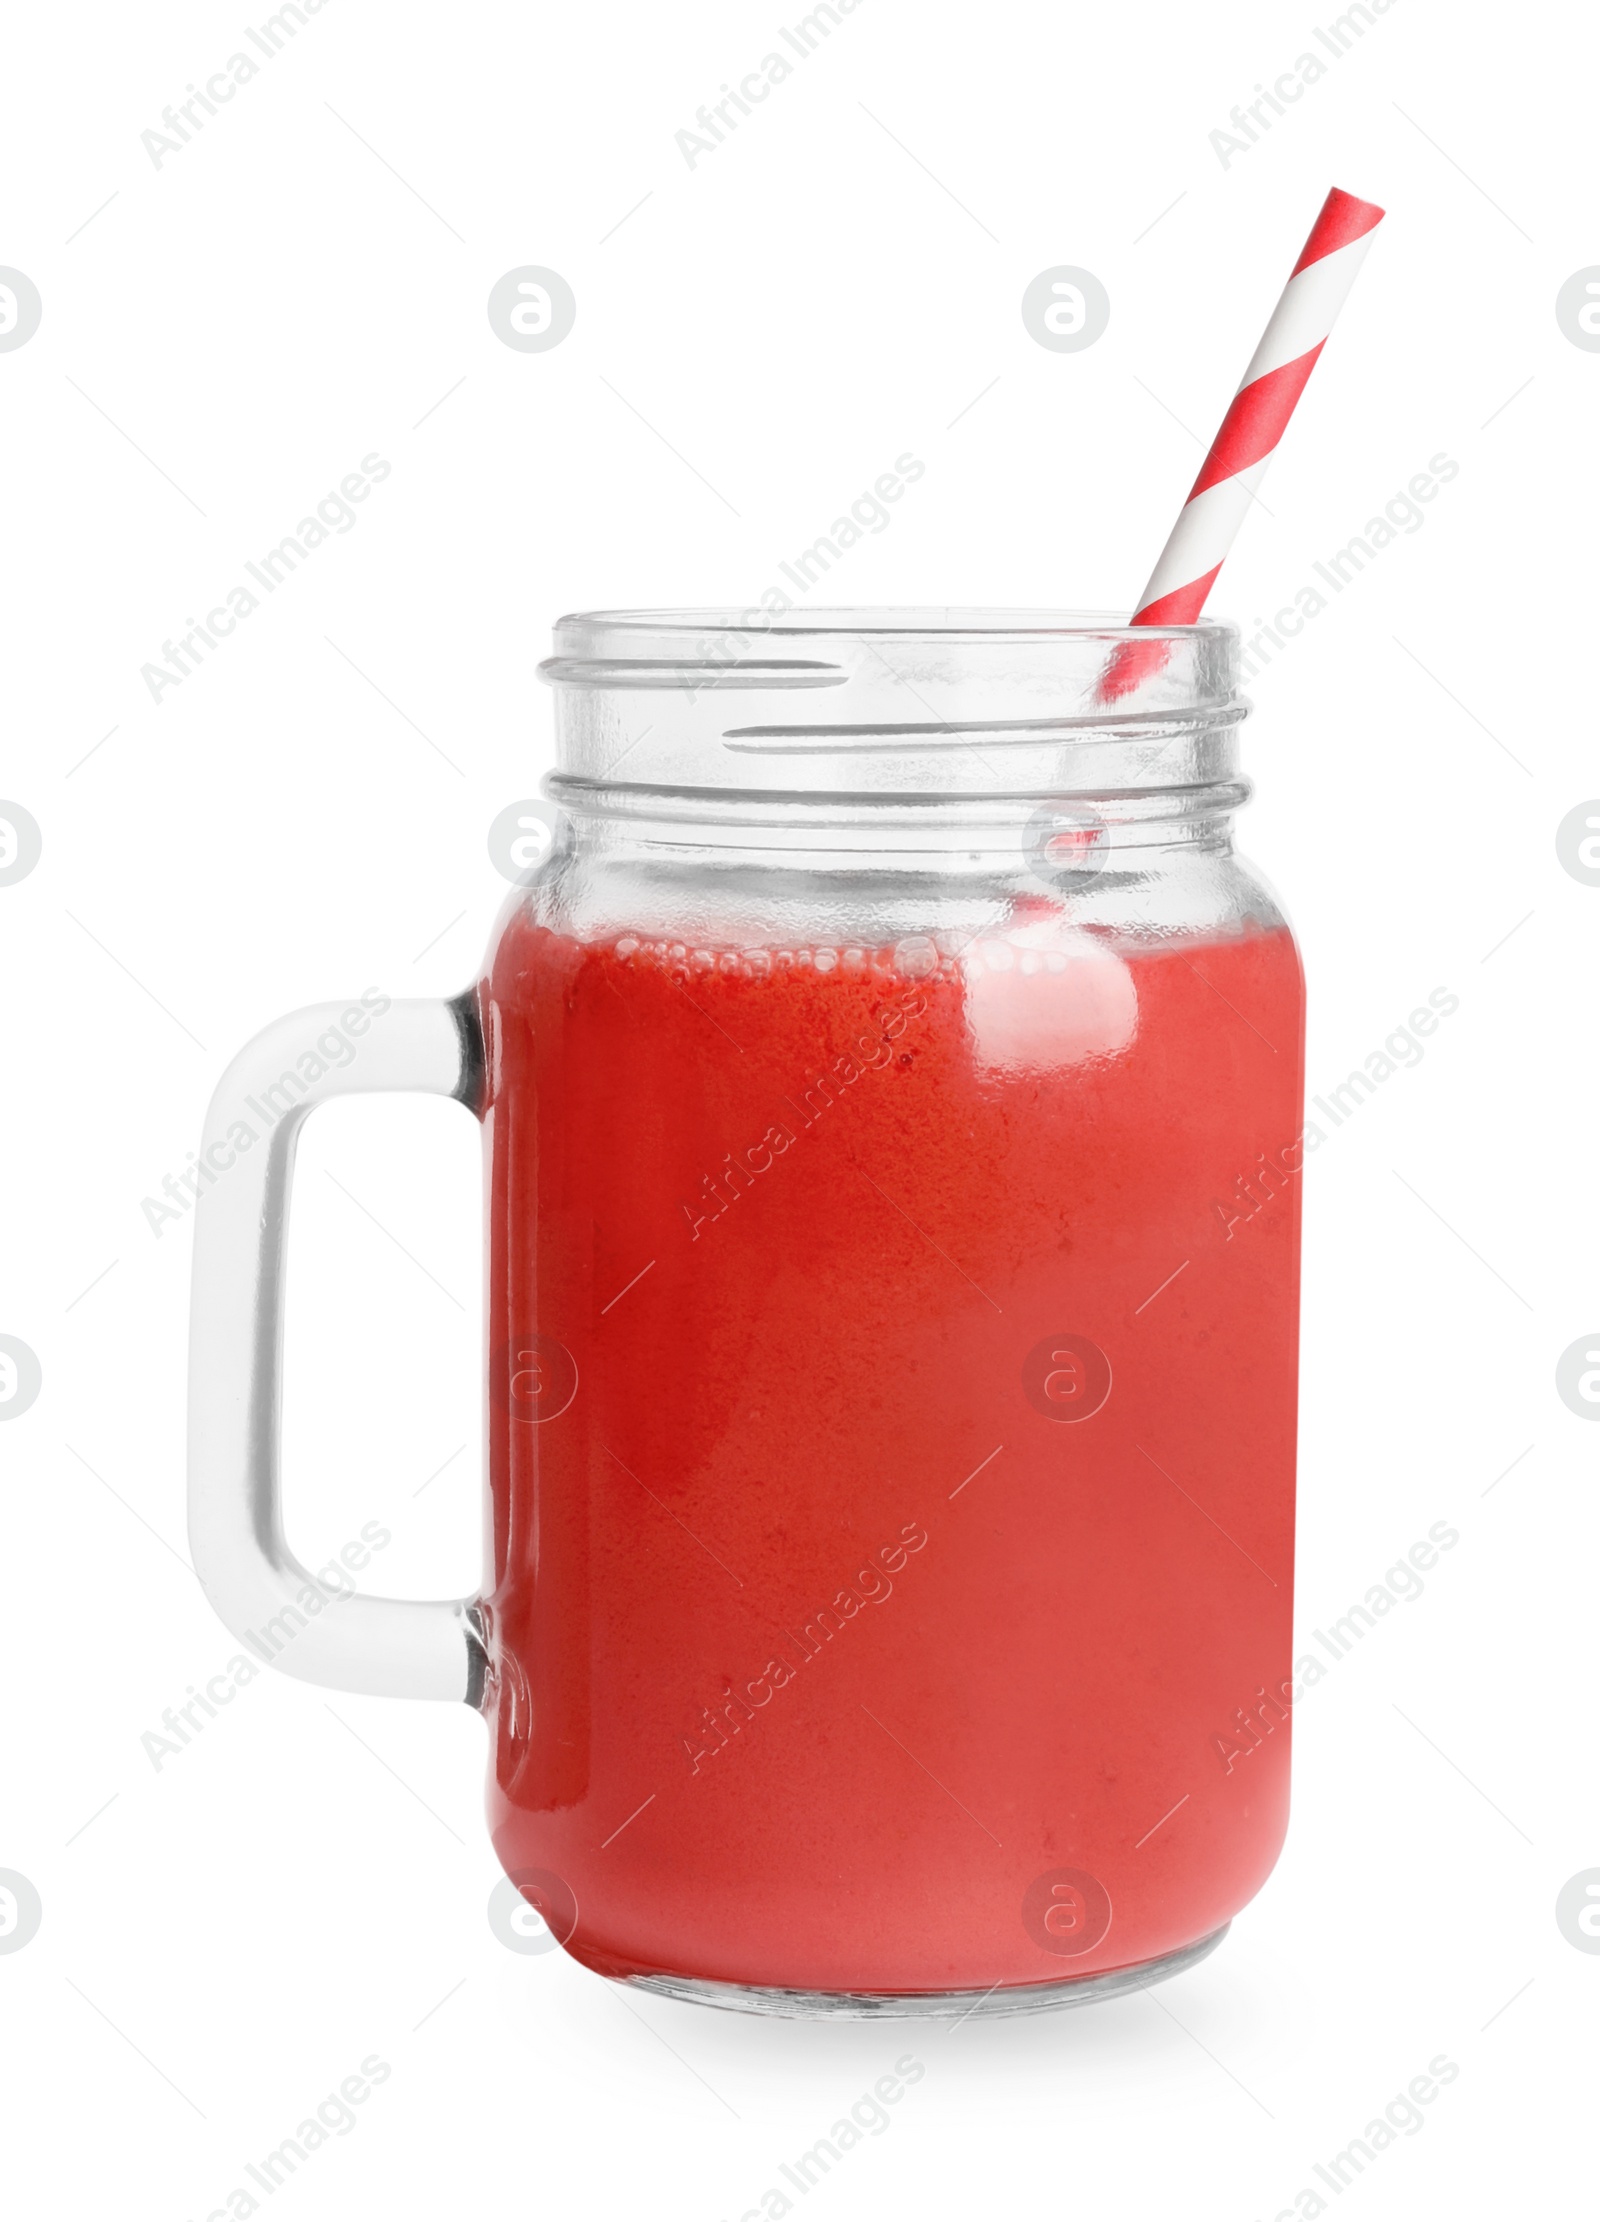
893	1271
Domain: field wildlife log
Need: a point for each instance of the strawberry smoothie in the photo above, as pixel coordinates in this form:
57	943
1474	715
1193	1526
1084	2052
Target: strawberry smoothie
892	1429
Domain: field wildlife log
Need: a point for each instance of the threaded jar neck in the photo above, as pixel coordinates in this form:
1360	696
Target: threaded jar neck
889	711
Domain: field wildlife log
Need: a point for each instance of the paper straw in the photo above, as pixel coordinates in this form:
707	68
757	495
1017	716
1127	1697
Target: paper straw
1256	420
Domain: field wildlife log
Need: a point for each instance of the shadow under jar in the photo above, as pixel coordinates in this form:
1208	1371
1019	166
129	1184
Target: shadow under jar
892	1087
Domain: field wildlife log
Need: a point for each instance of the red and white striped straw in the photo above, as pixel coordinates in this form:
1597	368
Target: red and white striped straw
1256	420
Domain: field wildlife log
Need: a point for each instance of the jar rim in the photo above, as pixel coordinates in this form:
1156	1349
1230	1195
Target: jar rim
904	700
954	621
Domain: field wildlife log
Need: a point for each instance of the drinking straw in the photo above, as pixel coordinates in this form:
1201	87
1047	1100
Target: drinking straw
1256	421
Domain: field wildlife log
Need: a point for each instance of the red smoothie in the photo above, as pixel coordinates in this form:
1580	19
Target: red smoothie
892	1400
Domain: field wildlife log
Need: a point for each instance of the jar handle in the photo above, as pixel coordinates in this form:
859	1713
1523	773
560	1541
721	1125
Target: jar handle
382	1646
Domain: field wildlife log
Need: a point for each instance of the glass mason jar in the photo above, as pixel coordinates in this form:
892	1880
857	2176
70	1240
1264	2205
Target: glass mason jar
891	1084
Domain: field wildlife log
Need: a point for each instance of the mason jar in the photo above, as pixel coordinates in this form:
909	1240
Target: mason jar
891	1081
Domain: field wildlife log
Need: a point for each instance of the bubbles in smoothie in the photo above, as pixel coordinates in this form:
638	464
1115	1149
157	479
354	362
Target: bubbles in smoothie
913	957
916	956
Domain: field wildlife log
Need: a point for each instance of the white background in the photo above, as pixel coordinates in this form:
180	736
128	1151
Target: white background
225	1939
